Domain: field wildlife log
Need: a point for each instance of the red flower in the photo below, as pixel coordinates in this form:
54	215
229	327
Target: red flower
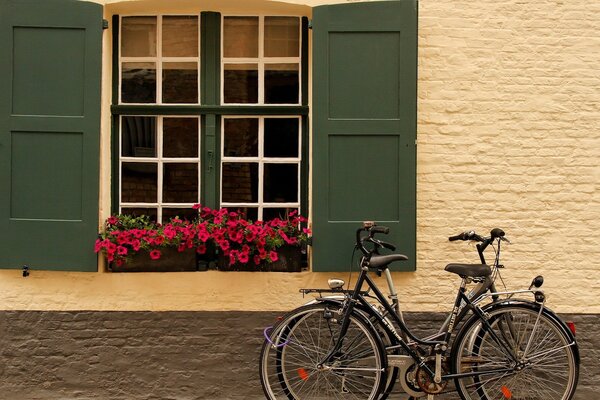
257	260
201	249
122	251
155	254
273	256
112	220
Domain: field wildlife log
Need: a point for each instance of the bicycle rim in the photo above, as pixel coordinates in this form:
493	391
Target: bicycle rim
290	365
525	355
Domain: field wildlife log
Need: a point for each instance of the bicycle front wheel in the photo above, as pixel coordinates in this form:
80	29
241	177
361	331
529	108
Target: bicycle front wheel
521	353
292	361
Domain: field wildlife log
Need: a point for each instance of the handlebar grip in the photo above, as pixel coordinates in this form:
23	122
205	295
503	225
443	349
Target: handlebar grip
380	229
455	238
497	233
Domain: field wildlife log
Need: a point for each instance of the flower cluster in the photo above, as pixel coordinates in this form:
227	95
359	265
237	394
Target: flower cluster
239	239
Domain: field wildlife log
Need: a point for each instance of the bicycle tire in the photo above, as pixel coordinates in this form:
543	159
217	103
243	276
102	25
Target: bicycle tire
289	359
546	354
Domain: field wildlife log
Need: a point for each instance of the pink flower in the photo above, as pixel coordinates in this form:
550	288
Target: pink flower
98	246
155	254
197	206
273	256
122	251
232	255
201	249
112	220
257	260
243	257
224	244
136	244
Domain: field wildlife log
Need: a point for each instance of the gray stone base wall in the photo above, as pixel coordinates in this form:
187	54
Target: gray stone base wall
169	355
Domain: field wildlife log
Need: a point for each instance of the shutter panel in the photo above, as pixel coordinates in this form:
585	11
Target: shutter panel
364	127
50	67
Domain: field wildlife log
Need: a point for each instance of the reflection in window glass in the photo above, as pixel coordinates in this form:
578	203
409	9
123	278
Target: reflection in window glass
240	83
180	82
281	213
138	37
281	183
138	83
240	37
138	136
282	37
281	137
239	182
139	182
185	214
180	183
281	84
180	36
180	137
137	212
241	137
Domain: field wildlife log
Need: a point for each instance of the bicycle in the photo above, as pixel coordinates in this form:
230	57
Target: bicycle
354	344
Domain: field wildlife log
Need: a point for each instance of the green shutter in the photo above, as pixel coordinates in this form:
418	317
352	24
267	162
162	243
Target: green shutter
50	70
364	127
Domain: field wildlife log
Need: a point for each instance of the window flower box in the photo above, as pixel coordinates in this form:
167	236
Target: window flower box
138	244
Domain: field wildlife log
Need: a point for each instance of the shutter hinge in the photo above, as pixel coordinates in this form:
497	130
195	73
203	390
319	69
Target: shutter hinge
104	24
310	26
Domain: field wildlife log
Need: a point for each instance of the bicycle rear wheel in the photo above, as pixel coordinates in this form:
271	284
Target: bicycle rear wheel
291	365
523	354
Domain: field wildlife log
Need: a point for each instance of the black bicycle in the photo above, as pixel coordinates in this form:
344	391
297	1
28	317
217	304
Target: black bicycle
354	344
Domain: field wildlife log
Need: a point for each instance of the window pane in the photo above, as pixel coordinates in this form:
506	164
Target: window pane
240	182
138	136
249	213
240	37
281	137
282	37
139	182
241	83
281	213
180	36
241	137
281	183
180	137
281	84
138	37
188	214
180	183
180	82
136	212
138	83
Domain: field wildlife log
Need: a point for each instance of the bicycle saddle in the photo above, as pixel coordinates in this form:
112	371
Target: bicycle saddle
382	262
471	270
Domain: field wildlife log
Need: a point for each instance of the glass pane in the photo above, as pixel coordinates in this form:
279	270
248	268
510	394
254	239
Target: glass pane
281	213
138	136
138	83
241	83
180	183
240	37
241	137
139	182
180	36
239	183
180	82
180	137
282	37
281	183
250	213
137	212
281	84
138	37
188	214
281	137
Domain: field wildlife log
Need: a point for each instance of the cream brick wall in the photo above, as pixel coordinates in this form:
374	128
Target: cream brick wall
508	136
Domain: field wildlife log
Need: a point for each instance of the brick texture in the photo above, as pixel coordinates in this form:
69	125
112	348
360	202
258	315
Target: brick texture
168	355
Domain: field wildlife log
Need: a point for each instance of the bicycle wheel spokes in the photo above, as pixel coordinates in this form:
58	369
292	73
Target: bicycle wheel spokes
522	354
298	371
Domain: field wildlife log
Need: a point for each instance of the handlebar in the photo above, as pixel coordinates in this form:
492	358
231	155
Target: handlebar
372	229
484	242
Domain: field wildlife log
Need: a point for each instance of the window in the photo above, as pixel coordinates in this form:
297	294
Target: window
261	60
159	59
209	109
260	170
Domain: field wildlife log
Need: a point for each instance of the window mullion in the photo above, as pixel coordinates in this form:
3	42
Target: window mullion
159	64
261	60
159	167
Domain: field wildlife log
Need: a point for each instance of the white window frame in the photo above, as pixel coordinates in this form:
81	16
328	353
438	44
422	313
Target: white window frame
158	60
260	205
159	161
261	60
